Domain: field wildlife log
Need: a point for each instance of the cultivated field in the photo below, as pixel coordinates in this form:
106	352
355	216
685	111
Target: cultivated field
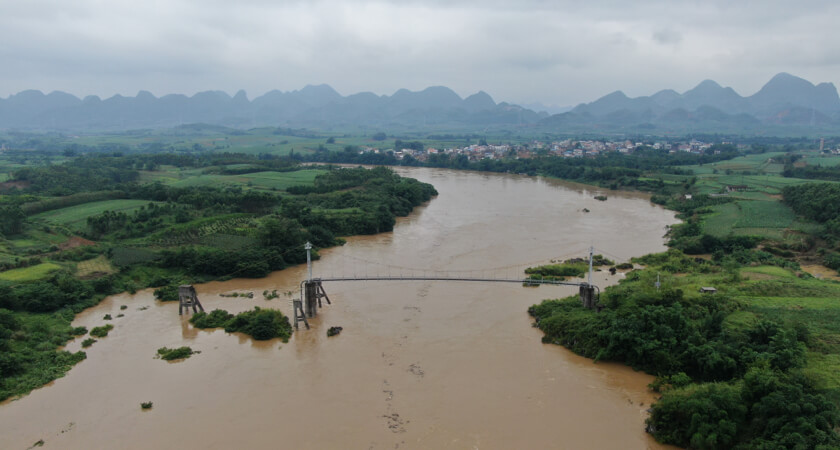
75	217
274	181
30	273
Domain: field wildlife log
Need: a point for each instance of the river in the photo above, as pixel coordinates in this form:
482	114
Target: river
437	365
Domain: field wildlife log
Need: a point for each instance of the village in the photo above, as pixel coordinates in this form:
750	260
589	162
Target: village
567	148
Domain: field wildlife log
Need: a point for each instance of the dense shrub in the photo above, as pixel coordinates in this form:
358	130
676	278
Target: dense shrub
665	333
101	331
48	295
170	354
707	416
261	324
167	293
557	271
767	410
215	319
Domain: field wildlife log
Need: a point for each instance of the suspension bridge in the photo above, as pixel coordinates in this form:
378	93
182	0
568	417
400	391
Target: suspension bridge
312	289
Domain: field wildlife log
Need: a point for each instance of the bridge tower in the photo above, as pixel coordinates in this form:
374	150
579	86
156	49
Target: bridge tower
187	298
587	290
312	291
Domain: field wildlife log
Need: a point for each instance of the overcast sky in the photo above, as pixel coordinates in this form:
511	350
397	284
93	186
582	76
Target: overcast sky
554	52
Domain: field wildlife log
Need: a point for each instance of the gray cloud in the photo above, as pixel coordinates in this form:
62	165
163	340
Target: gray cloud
559	52
667	36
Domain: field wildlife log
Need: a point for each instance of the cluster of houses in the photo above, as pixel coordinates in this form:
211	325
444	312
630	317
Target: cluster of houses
567	148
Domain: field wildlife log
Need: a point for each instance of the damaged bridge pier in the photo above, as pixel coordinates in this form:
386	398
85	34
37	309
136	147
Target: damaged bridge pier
312	291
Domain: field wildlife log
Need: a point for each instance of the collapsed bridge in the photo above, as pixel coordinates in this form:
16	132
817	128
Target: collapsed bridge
312	290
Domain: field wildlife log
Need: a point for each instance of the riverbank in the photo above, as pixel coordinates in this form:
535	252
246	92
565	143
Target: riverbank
154	234
422	365
763	332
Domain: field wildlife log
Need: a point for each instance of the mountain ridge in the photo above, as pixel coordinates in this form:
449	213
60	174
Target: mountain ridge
313	105
784	101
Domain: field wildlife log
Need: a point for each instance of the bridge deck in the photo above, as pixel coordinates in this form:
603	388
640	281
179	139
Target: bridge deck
442	278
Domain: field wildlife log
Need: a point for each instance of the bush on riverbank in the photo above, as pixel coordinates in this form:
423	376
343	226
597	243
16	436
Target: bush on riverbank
28	356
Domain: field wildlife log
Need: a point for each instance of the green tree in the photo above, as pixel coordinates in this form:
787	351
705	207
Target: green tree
11	219
281	232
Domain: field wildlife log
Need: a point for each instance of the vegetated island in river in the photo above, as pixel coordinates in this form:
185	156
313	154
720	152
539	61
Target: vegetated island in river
102	224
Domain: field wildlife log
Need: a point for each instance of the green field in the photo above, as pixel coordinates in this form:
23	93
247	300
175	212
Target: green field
772	271
75	216
256	180
760	172
722	220
254	141
768	183
759	214
820	313
779	294
749	217
29	273
822	160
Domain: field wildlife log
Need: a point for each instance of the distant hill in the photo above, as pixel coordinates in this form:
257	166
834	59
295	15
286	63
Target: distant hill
313	106
785	105
786	102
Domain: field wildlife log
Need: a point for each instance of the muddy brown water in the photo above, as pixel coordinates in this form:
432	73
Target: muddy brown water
439	365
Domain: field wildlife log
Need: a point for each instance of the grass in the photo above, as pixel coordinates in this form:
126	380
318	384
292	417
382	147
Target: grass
739	320
773	271
822	369
75	217
796	303
23	243
30	273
